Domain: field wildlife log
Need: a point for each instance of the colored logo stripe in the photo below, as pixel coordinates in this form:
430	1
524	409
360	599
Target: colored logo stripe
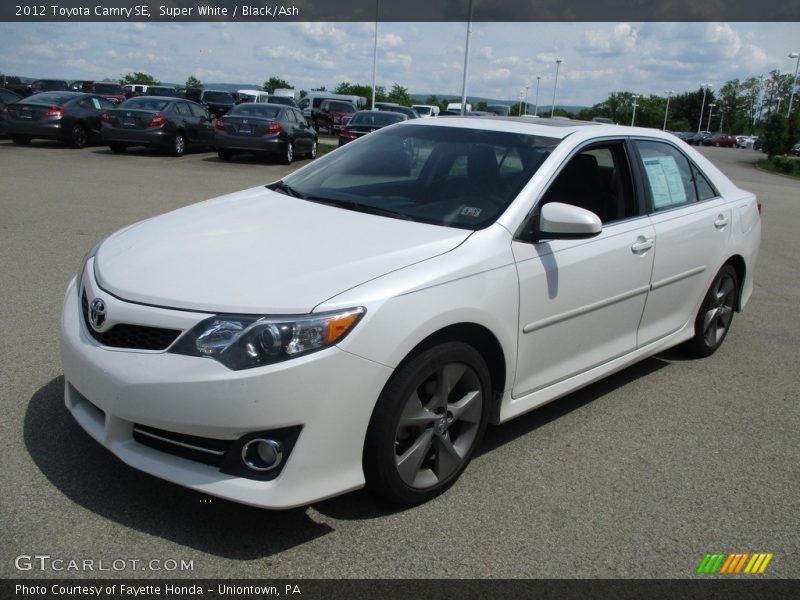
731	564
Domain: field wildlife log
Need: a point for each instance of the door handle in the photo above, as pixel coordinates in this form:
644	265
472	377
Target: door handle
721	222
642	245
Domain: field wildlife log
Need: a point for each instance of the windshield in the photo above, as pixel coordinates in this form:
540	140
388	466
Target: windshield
422	110
217	97
107	88
255	110
450	176
341	107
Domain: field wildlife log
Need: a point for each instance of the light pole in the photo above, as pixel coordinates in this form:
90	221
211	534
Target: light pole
666	111
375	56
526	100
794	81
633	118
555	87
710	111
705	87
521	95
536	109
466	64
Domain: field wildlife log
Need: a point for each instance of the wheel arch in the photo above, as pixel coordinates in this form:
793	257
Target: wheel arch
737	262
480	338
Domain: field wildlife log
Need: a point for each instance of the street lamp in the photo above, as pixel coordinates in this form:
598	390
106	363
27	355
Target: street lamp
536	109
633	118
526	99
705	87
555	87
666	111
520	97
794	81
710	111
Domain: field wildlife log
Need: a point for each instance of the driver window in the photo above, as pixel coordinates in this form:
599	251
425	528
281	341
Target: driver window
597	179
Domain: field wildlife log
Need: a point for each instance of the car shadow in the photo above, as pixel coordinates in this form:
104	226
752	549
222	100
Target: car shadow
95	479
150	152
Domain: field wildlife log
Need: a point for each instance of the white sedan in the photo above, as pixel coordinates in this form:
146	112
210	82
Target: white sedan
362	320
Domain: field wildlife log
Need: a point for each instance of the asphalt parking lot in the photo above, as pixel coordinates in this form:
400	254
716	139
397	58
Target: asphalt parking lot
636	476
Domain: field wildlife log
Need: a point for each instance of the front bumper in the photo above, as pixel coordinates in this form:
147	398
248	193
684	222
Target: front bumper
329	394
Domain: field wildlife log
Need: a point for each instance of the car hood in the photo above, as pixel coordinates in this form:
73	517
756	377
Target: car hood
260	252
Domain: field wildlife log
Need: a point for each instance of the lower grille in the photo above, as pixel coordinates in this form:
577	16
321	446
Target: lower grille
205	450
133	337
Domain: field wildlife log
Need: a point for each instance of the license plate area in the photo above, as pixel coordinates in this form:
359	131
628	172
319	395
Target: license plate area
245	129
129	122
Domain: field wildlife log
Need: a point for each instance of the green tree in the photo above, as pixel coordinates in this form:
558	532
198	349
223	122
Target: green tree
193	82
138	77
274	83
776	136
400	95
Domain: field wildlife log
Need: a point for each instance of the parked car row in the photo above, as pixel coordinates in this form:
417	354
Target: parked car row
168	123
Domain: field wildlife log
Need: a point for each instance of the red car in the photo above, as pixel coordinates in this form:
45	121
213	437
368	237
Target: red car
721	139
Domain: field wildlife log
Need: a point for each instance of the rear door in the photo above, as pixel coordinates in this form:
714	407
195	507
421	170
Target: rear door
205	127
692	228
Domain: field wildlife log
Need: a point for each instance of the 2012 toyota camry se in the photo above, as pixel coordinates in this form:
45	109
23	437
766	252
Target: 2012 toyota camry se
360	321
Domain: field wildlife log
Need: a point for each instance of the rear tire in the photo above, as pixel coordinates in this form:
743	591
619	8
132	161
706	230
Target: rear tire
118	148
716	314
178	145
288	156
21	140
225	155
427	423
312	154
78	136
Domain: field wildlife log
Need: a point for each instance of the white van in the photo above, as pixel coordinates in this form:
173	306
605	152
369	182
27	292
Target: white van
455	107
253	96
134	89
426	110
284	92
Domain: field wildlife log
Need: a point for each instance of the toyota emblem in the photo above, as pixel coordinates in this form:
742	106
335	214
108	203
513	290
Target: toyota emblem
97	313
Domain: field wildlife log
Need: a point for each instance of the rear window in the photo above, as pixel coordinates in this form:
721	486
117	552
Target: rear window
51	85
376	118
49	98
281	100
144	103
255	110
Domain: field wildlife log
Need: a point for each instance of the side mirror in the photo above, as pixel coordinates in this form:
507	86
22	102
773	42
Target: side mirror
559	221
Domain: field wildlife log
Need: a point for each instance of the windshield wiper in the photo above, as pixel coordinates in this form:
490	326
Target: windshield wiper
281	186
358	207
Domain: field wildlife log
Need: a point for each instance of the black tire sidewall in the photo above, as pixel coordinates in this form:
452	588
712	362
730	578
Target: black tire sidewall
698	345
379	454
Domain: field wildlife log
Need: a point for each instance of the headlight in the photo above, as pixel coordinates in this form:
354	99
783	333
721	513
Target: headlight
243	342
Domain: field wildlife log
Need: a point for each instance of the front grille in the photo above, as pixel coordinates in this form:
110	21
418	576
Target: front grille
134	337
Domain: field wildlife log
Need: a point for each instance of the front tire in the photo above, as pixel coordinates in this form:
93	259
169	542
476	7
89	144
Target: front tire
21	140
427	423
312	154
716	314
118	148
225	155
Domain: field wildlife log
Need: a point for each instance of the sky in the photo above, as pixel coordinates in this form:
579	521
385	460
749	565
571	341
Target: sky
598	58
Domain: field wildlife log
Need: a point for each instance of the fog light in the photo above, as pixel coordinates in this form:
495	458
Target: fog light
261	454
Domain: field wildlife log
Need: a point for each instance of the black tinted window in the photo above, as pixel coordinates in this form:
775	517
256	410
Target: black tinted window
221	97
598	179
107	88
705	191
198	111
181	108
255	110
144	103
45	98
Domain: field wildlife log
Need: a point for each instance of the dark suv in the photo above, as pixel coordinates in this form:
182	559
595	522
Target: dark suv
217	102
330	115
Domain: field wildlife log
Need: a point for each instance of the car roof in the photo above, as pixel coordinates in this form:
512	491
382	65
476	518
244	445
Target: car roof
546	127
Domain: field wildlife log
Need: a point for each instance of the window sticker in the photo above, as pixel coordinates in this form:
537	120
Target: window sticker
665	180
471	211
96	103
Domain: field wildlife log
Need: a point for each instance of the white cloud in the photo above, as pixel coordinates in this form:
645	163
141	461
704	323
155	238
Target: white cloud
496	75
389	41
